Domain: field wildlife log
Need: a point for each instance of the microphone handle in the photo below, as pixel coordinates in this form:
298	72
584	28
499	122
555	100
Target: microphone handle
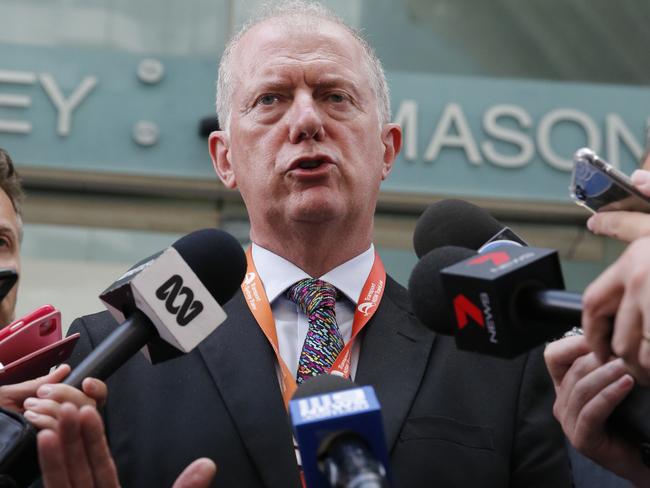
349	463
557	306
115	350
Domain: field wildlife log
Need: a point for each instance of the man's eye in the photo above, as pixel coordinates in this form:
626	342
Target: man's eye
336	97
267	99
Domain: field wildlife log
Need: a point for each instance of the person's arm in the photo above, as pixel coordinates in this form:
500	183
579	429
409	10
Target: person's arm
624	225
587	392
623	291
77	454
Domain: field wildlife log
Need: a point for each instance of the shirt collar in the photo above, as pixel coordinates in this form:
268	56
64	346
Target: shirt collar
278	274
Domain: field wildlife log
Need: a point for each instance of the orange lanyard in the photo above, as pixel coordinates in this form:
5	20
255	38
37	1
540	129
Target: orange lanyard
259	305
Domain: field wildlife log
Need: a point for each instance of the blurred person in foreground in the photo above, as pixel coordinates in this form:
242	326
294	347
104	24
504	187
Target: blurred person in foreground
307	140
11	233
11	230
593	374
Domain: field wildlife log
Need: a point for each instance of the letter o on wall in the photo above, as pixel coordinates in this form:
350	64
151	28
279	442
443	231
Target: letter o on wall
565	115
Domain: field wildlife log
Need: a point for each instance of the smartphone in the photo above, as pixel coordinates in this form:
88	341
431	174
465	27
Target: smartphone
599	187
38	363
35	335
18	324
30	346
8	278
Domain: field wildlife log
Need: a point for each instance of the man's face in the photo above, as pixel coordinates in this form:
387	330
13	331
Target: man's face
9	254
305	143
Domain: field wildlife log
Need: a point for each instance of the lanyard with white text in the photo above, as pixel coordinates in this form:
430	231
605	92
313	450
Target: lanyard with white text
259	305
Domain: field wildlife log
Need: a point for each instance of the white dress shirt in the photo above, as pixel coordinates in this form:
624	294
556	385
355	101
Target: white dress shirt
277	274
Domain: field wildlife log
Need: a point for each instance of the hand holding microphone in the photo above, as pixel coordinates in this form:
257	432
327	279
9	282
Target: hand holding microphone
169	303
13	396
589	389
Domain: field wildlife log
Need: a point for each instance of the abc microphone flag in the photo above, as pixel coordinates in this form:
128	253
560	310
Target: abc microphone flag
169	302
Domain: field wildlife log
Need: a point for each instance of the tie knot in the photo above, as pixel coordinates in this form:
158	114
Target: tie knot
311	294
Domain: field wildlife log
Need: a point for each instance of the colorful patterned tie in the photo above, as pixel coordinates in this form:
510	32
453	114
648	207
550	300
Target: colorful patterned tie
323	343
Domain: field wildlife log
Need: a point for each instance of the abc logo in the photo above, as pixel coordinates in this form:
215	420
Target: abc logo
185	312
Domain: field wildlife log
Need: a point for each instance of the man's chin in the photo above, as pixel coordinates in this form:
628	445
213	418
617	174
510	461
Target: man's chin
317	205
314	216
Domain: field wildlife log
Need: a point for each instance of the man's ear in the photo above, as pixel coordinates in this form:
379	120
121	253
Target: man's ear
391	137
219	147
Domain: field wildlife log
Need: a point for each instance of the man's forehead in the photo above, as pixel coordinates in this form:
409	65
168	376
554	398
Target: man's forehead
301	39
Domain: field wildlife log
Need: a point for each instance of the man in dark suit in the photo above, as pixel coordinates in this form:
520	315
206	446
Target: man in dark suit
307	140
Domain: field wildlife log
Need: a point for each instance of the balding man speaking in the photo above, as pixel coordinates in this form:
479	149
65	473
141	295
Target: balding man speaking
307	141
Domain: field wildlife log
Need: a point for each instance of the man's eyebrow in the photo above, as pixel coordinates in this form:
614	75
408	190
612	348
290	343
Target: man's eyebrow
6	229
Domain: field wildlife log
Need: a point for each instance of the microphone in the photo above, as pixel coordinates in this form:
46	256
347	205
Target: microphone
507	321
539	312
536	308
168	302
340	434
453	222
501	303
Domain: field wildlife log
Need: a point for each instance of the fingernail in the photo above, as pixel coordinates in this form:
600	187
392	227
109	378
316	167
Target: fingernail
90	384
625	381
640	177
30	415
618	364
590	223
44	391
30	402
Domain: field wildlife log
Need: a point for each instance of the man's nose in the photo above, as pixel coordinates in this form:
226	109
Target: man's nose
305	120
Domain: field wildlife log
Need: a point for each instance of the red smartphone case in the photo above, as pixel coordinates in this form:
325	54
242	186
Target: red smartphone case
21	322
33	345
38	363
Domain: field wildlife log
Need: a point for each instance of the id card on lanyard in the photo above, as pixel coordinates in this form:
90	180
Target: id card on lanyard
259	305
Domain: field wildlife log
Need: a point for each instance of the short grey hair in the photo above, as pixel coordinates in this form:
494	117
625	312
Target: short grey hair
304	10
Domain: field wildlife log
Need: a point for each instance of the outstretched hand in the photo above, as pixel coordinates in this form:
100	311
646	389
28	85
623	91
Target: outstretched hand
77	455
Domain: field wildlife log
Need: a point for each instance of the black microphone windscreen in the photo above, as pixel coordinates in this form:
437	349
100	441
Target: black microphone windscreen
216	258
426	289
453	223
321	384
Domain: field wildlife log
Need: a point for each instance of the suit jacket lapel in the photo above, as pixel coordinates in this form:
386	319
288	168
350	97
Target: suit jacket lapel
242	364
394	355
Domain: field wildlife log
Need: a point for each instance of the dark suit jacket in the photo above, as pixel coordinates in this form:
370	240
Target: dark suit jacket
452	419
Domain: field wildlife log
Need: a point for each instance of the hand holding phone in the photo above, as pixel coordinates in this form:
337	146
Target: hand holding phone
599	187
